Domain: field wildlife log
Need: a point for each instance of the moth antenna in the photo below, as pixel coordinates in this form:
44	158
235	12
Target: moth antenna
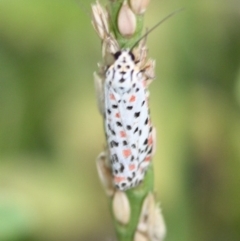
155	26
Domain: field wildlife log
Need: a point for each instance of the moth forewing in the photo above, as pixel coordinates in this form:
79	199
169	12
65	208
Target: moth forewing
127	121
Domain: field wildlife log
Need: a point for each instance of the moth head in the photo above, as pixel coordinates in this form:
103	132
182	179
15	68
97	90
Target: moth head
122	53
122	73
124	61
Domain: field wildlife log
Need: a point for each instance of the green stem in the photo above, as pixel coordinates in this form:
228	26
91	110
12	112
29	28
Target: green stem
136	195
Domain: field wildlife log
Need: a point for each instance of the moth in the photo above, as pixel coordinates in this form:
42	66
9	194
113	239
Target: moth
128	127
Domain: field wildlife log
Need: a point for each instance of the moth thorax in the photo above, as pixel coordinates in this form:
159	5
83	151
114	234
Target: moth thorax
123	72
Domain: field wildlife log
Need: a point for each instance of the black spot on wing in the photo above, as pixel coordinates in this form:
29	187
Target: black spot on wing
150	151
146	121
146	149
137	114
114	143
135	130
129	127
119	123
129	179
113	132
145	142
122	80
121	169
115	158
125	143
113	74
132	77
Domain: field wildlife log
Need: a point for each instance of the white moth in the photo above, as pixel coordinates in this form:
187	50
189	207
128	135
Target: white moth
128	127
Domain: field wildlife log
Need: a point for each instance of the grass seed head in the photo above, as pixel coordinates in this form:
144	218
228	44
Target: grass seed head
126	21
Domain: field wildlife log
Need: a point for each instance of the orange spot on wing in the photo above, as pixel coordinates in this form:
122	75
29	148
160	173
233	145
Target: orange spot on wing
123	134
112	97
147	159
150	140
132	167
117	115
126	153
132	99
119	179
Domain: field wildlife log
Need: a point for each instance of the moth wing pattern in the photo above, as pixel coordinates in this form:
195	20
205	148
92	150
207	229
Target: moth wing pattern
128	130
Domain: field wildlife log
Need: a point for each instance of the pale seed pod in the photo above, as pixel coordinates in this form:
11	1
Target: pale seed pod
156	227
100	20
150	71
101	71
121	207
147	209
139	6
126	21
140	53
109	45
151	221
105	174
140	237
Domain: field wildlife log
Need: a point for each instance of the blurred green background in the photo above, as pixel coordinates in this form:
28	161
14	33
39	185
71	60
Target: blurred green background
51	131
